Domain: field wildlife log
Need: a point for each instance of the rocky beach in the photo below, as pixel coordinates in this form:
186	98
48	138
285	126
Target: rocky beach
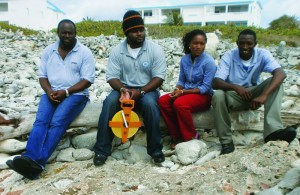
194	167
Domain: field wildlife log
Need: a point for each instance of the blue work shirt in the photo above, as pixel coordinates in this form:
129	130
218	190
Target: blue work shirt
198	74
79	64
132	72
231	68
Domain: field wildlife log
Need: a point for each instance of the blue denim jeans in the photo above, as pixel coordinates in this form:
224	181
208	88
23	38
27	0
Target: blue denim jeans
52	121
147	106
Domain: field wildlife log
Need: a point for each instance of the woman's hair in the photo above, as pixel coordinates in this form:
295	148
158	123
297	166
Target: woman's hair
187	38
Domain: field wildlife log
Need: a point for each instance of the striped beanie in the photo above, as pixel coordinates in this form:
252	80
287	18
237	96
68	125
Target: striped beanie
131	20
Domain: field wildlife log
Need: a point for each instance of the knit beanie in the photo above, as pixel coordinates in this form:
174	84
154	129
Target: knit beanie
131	20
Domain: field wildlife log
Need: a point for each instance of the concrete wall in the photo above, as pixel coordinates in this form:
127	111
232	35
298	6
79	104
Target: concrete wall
32	14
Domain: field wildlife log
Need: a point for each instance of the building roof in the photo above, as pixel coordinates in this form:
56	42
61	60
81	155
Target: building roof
240	2
54	7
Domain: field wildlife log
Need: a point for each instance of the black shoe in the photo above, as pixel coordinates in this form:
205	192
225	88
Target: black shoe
288	134
227	148
99	159
158	157
22	167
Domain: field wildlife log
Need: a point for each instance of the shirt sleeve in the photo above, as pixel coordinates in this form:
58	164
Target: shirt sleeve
224	67
209	73
113	69
270	64
159	65
87	71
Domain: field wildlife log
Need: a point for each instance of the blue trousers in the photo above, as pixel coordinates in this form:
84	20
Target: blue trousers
149	109
52	121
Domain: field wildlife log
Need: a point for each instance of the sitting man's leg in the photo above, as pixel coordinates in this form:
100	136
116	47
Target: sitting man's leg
103	146
151	116
273	127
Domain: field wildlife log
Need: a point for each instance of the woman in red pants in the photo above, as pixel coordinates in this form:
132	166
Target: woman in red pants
193	91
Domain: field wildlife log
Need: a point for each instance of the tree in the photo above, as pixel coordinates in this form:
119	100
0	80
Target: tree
89	19
285	22
174	18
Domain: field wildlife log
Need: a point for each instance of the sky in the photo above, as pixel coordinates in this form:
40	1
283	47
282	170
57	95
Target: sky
76	10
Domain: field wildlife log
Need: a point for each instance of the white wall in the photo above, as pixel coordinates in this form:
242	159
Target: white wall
32	14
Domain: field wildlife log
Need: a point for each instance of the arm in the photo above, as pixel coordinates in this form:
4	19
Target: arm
223	85
44	82
277	79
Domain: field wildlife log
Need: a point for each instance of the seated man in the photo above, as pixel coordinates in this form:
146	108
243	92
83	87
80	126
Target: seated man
67	69
238	88
136	66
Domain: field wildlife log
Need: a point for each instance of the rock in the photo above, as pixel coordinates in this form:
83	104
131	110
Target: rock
82	154
66	155
12	146
189	152
87	140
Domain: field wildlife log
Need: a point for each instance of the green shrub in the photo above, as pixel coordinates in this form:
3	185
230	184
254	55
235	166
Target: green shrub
14	28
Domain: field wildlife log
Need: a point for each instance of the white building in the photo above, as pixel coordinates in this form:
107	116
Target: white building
32	14
239	12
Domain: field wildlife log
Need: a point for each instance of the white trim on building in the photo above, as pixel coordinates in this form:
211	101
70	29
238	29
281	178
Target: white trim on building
242	12
32	14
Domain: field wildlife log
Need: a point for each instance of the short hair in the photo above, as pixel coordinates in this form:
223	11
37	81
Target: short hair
65	21
248	32
187	38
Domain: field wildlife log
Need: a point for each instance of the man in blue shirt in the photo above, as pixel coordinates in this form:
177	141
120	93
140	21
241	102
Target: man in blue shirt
136	66
238	88
67	69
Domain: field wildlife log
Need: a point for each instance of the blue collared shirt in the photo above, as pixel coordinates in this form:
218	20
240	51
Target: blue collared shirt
132	72
198	74
231	67
79	64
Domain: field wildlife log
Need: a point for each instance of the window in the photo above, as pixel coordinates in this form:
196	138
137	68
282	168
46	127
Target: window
238	23
3	7
148	13
220	9
238	8
217	23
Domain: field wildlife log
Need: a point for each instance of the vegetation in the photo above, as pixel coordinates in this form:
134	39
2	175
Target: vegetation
14	28
174	18
276	33
285	21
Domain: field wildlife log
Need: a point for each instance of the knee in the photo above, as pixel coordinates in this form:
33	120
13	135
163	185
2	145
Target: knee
164	100
218	97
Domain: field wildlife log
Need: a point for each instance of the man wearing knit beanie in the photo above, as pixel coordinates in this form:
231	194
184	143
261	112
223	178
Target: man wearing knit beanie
136	69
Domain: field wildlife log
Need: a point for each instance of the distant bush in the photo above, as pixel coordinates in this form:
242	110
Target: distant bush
265	37
14	28
285	22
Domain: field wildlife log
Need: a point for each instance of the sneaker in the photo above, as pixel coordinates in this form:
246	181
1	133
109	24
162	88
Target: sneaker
227	148
288	134
158	157
99	159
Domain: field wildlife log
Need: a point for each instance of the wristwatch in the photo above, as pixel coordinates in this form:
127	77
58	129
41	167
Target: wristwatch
142	92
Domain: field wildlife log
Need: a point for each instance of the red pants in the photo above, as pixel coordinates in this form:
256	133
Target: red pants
178	113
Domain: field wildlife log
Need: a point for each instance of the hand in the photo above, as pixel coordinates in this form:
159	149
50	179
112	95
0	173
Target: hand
244	93
175	94
51	98
124	95
258	102
59	95
135	94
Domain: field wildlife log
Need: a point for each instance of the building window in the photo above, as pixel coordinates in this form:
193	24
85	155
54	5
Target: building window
238	23
238	8
217	23
148	13
220	9
3	7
